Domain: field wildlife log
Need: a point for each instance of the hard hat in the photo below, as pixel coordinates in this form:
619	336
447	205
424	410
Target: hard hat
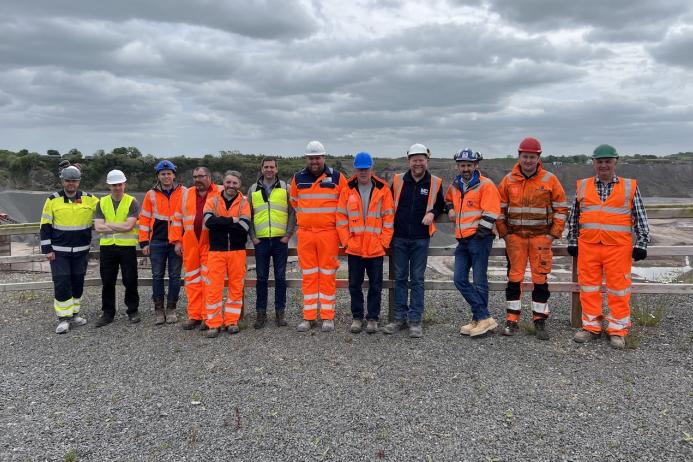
529	144
604	151
70	173
115	177
418	148
314	148
468	155
363	160
165	165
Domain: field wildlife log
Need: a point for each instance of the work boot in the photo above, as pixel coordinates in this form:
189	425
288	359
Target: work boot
103	321
356	326
171	316
510	328
467	328
204	326
305	325
260	319
134	317
372	326
394	326
233	329
584	336
540	326
415	330
159	312
63	326
483	326
77	320
190	324
327	325
212	333
617	342
280	319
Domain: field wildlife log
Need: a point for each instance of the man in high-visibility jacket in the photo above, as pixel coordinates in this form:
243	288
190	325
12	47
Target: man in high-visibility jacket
158	208
227	216
607	212
66	223
274	222
533	214
365	218
115	219
314	195
474	205
191	241
418	197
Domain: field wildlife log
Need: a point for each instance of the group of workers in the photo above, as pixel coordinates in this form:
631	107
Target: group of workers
202	231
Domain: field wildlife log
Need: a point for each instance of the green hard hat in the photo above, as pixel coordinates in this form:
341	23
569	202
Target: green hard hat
604	151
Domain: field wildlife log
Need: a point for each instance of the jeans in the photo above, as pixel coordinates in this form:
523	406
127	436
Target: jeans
374	268
161	252
111	258
410	257
278	252
473	253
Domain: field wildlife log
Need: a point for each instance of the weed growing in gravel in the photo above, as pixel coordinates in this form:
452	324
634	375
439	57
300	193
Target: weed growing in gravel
70	456
430	316
528	327
645	317
634	338
508	417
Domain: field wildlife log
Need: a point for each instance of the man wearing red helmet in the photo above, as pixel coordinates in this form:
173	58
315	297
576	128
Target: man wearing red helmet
533	214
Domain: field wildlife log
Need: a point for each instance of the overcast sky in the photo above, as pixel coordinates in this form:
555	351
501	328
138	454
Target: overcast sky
198	76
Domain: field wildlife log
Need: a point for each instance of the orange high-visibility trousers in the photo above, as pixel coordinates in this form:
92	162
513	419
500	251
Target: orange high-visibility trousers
594	262
317	257
195	266
536	250
220	265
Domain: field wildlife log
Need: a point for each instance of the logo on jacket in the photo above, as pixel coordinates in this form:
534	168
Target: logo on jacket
424	192
470	204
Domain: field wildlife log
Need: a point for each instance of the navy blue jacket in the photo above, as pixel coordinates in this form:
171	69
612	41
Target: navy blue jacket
413	201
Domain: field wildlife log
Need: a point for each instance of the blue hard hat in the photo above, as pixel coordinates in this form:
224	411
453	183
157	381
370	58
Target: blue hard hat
468	155
165	165
363	160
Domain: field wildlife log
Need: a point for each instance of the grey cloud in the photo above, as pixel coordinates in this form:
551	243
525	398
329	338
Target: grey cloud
253	18
675	49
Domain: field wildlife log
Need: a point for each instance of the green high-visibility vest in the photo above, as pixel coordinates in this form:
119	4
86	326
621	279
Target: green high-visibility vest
118	216
270	218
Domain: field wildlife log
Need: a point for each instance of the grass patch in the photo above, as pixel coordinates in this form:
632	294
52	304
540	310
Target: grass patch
430	316
647	318
70	456
528	327
634	338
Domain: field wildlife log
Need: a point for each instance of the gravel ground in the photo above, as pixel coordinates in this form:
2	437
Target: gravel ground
145	392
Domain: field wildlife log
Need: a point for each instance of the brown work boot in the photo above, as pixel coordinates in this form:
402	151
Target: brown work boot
159	312
467	328
171	316
584	336
212	333
618	342
280	319
372	326
356	326
260	319
483	326
190	324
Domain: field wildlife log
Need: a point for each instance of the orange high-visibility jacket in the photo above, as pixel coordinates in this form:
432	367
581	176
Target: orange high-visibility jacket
609	222
533	206
479	206
315	199
436	185
225	235
366	237
156	213
183	221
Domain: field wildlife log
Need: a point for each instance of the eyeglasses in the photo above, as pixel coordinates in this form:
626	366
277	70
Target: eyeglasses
196	177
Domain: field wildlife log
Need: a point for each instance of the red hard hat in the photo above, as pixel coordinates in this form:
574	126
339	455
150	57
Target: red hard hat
529	144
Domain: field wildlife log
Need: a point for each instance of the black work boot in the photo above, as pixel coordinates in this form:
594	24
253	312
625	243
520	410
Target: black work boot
159	312
260	319
540	325
103	320
190	324
510	329
280	319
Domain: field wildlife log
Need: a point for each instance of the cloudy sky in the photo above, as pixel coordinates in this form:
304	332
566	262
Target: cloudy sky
198	76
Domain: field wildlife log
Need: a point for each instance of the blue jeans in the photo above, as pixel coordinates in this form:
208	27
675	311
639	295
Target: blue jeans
473	253
278	252
161	252
374	268
410	257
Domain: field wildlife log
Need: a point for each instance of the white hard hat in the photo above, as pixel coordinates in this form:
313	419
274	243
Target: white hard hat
70	173
315	148
115	177
418	148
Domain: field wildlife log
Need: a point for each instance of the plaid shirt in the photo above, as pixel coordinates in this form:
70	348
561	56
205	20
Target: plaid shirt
641	228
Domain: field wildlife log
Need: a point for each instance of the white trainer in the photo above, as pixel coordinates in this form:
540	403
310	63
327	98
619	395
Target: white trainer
63	327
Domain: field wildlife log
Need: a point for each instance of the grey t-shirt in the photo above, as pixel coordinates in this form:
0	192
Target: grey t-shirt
365	192
132	212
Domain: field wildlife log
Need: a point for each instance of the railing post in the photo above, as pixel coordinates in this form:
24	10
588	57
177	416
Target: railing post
576	308
391	290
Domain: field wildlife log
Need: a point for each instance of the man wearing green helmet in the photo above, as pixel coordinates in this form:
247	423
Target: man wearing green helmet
606	213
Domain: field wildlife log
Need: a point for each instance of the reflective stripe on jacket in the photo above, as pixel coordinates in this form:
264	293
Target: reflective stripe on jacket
434	190
66	224
156	213
532	206
183	219
608	222
367	237
478	206
228	228
270	214
315	198
110	215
